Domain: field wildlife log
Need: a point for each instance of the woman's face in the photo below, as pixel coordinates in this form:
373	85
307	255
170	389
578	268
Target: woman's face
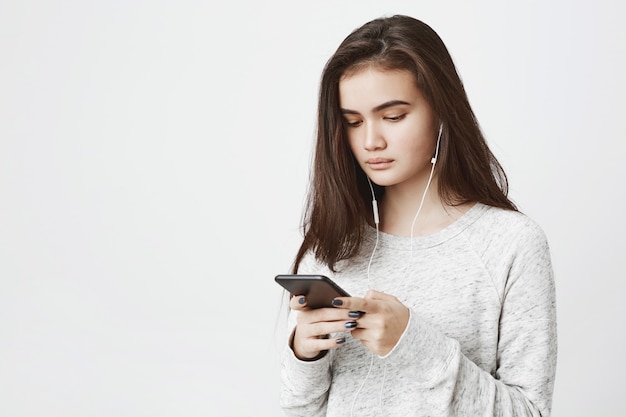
390	126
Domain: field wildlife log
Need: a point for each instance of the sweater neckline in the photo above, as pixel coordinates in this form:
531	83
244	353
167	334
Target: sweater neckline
422	242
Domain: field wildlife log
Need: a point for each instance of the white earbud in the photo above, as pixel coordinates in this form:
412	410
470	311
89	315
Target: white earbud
434	158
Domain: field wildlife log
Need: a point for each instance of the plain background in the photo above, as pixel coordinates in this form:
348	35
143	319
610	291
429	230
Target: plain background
154	160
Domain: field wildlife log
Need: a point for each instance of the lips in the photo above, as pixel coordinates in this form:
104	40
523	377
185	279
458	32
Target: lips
379	163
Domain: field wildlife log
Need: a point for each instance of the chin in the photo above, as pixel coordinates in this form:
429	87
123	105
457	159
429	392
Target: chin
382	181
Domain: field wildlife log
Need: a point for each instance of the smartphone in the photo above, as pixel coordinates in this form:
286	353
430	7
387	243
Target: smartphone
319	290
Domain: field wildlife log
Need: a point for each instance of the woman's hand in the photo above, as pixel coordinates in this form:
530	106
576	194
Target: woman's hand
311	335
384	321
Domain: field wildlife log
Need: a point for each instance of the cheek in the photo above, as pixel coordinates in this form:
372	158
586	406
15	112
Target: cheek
416	135
406	137
419	147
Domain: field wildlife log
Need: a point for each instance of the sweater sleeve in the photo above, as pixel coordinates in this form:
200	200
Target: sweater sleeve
522	384
305	384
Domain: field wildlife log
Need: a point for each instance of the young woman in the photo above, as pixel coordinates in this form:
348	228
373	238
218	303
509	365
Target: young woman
453	312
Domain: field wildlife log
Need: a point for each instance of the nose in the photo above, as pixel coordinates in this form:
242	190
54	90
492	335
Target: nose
374	139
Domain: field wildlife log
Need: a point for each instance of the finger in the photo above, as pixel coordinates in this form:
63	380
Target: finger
310	339
298	302
355	304
312	348
323	329
328	319
377	295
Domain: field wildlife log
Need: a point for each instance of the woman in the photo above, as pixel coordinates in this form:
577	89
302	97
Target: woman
454	306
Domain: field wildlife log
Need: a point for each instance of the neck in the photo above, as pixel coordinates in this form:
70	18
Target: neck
400	205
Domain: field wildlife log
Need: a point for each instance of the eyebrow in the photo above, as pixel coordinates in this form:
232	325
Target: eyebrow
385	105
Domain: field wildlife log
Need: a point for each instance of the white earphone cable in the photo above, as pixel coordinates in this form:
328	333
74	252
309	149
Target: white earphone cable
376	222
419	209
369	264
356	395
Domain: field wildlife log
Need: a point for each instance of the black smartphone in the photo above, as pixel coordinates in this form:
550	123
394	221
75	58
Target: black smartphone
319	290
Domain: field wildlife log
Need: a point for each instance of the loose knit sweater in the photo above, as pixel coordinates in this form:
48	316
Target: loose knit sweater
481	338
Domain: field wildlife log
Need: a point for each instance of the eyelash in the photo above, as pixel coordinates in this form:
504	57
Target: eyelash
390	119
396	118
354	124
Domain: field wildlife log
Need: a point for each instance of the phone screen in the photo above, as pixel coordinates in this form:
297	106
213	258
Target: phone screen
319	290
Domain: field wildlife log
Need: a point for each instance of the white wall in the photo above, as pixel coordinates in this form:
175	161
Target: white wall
153	163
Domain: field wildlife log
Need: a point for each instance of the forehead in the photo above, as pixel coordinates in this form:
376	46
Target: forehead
369	87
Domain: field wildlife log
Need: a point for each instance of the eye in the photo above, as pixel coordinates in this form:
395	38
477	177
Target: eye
395	118
353	123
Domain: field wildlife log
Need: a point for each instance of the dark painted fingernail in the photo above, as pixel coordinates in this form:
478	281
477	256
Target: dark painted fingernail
337	303
340	340
302	300
355	314
351	325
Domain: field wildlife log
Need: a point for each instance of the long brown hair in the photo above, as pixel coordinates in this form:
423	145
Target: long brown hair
338	204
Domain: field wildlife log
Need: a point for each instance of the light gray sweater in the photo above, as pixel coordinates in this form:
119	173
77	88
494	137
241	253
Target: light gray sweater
481	338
